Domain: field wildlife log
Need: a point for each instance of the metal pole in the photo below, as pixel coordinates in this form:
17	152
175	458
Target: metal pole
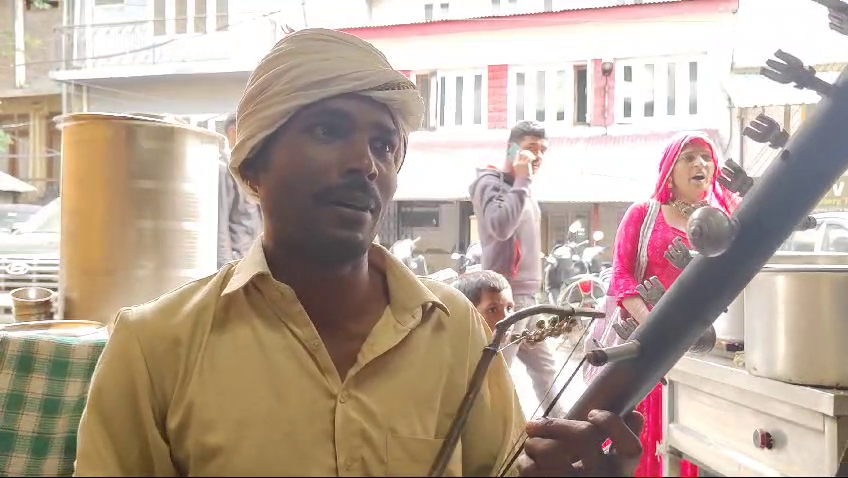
813	159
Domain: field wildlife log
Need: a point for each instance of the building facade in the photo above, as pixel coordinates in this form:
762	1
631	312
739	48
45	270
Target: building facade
611	80
603	77
29	141
761	31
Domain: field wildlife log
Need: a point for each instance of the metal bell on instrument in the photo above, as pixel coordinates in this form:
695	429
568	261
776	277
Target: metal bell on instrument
710	231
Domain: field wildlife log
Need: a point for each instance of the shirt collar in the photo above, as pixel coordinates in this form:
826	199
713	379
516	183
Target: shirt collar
407	294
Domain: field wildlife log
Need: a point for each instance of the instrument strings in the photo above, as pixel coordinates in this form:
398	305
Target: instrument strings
518	446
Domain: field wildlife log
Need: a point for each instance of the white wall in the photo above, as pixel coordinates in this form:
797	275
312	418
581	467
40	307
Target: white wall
332	13
798	27
179	95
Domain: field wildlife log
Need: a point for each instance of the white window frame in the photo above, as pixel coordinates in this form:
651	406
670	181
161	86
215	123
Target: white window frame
551	100
433	102
437	10
467	101
508	7
635	89
171	17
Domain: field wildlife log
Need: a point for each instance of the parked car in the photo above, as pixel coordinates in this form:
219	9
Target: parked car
829	235
29	256
13	215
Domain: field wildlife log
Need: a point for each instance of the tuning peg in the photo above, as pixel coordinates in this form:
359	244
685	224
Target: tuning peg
838	20
625	328
792	70
764	129
734	178
651	290
678	254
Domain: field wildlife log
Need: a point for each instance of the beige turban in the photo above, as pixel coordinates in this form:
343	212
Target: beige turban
311	65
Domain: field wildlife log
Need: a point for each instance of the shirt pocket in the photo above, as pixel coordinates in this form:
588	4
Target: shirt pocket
413	456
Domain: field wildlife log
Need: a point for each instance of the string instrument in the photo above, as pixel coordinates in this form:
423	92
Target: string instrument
564	319
731	251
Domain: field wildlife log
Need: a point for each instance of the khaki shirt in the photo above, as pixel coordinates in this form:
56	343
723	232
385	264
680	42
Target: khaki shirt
227	376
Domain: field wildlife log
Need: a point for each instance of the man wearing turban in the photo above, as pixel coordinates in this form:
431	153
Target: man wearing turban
318	353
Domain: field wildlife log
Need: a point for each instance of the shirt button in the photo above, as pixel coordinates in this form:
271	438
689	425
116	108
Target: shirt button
348	464
343	397
315	344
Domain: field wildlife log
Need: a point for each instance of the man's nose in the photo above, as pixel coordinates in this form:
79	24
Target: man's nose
360	157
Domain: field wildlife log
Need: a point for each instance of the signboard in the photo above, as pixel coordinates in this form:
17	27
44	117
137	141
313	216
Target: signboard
836	198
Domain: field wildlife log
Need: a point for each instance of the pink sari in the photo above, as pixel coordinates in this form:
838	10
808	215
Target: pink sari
624	282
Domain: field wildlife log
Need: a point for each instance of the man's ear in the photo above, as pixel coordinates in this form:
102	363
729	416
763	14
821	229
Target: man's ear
250	174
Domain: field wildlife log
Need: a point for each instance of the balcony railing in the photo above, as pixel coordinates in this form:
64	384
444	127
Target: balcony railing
242	42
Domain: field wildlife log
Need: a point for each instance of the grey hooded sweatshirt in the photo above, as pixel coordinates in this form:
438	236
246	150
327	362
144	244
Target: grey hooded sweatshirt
509	227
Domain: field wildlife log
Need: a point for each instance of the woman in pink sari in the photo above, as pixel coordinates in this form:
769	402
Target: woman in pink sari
687	180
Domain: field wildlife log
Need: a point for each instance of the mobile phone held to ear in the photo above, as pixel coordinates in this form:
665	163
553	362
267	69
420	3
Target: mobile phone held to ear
512	152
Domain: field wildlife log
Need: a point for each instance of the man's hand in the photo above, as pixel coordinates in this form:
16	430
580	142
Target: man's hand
523	164
570	448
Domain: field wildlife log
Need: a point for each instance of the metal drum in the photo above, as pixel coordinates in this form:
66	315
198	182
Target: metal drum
139	210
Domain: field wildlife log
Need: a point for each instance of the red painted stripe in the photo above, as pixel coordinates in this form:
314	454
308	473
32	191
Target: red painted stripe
624	13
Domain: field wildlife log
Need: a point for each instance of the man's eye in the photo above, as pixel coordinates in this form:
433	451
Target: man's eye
492	310
383	146
327	131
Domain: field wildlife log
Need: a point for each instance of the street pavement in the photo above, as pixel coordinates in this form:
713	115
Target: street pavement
524	386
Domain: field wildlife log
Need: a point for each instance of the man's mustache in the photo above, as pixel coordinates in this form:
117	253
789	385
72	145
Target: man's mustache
356	189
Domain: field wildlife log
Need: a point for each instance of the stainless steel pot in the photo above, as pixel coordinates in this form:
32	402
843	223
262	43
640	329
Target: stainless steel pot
795	320
730	326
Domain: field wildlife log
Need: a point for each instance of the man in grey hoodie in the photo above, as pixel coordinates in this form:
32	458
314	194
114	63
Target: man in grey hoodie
509	227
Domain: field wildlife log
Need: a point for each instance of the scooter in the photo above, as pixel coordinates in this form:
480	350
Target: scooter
404	250
571	260
592	256
471	261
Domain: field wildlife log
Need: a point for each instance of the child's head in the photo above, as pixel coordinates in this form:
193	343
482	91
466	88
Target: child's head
489	292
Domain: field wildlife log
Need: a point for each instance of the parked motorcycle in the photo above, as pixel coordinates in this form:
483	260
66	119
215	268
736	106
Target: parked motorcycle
470	261
568	261
404	250
592	256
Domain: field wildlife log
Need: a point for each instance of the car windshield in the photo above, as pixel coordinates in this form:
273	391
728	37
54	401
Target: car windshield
45	221
15	214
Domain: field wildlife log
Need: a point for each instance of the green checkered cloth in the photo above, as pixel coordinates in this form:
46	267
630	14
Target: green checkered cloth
44	384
